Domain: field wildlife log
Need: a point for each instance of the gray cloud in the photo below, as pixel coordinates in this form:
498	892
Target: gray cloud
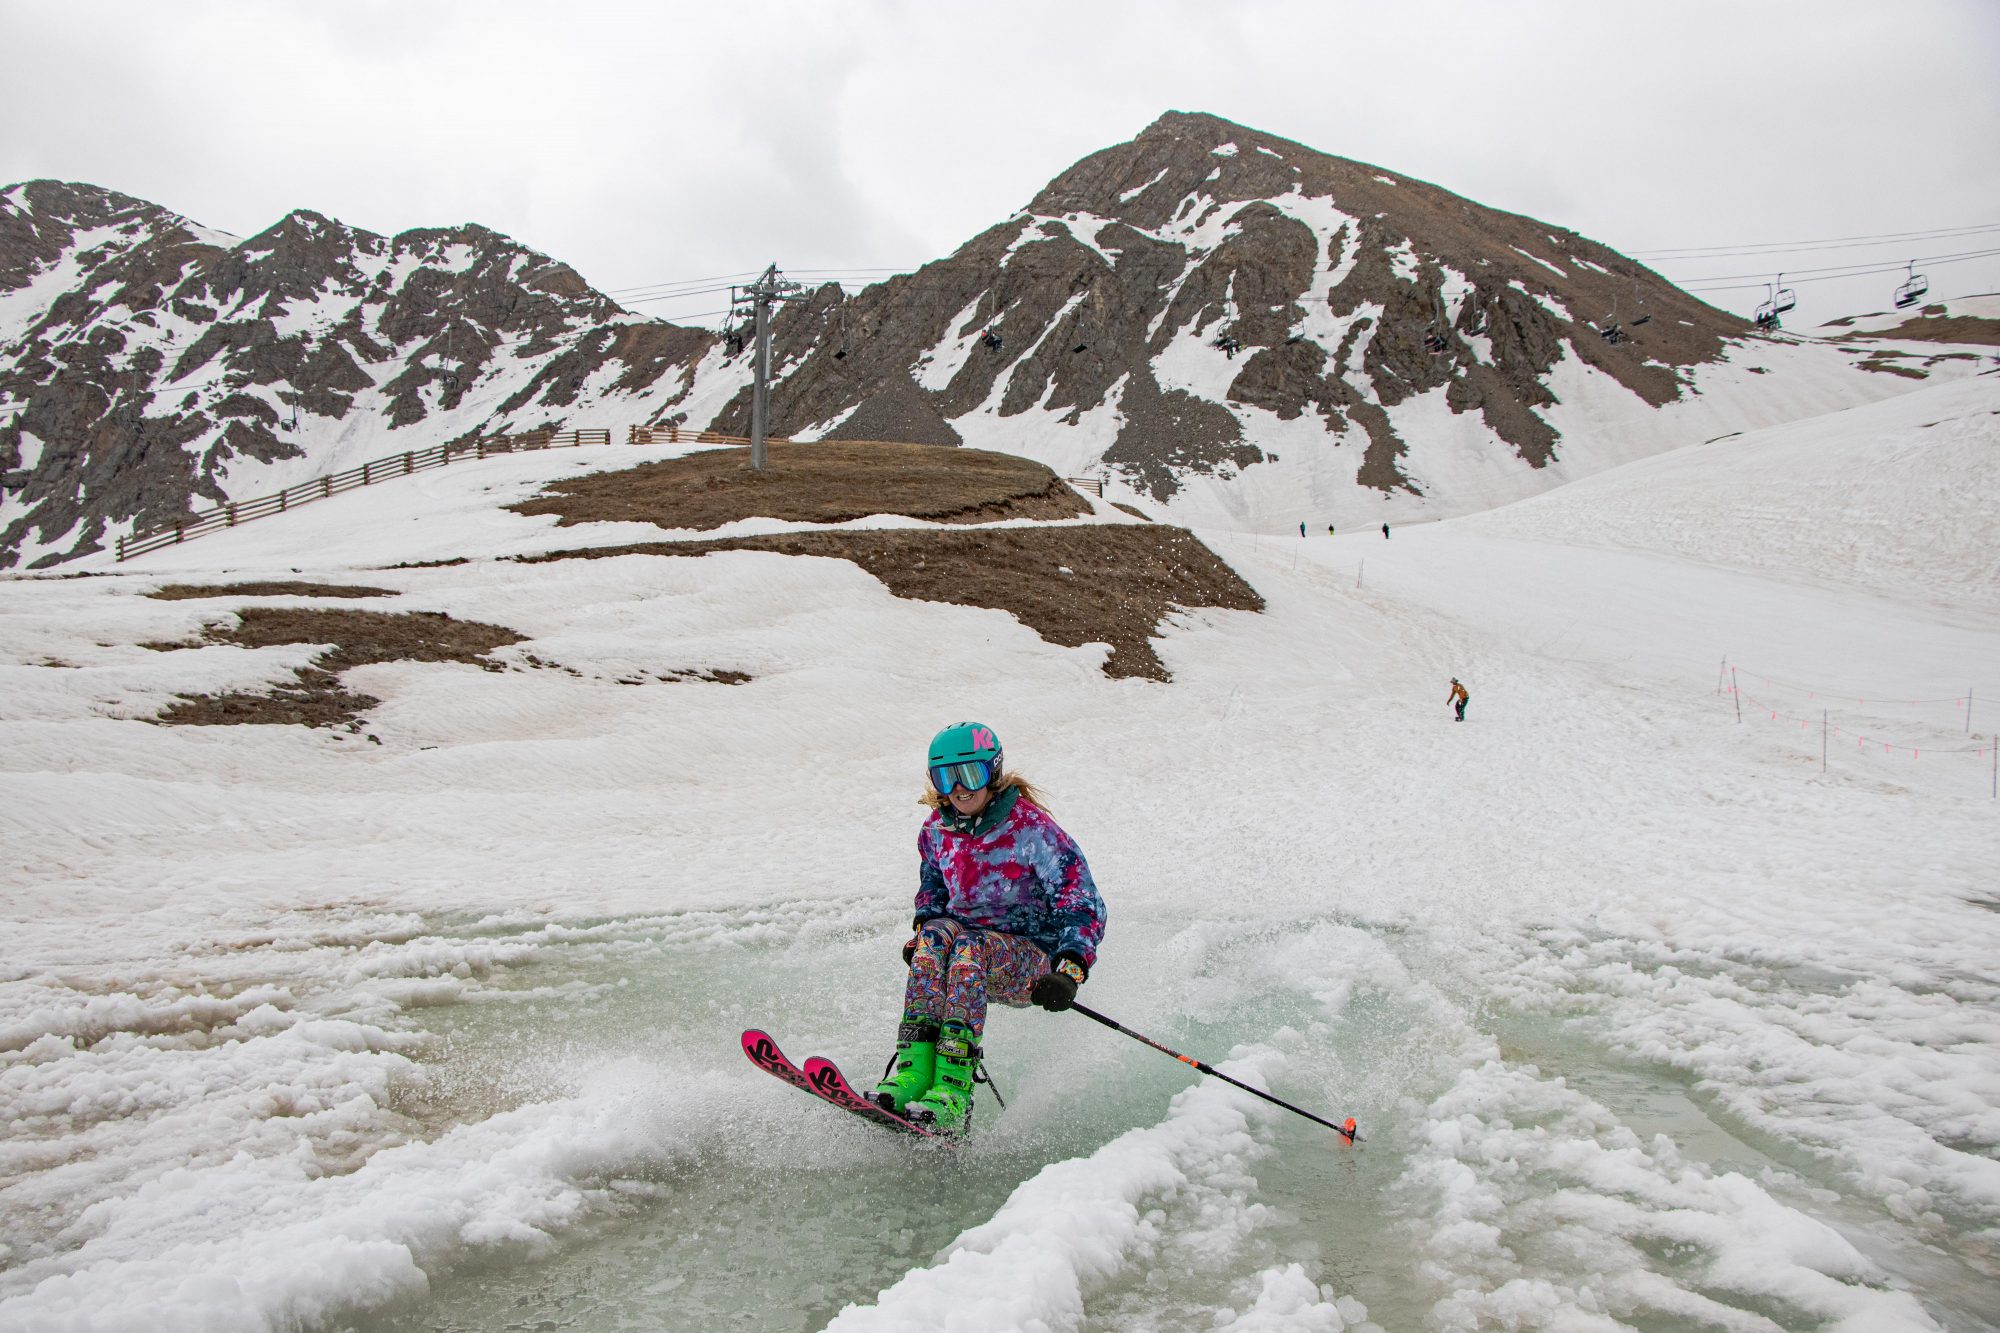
644	143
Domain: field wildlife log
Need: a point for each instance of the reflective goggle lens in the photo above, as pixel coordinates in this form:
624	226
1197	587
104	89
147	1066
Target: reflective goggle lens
972	776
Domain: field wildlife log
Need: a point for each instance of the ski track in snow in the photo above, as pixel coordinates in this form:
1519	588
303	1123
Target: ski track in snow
1644	1018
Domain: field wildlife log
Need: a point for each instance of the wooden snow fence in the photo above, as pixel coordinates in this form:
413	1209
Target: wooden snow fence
373	472
378	470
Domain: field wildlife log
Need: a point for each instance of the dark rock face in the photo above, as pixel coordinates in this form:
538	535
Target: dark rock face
1197	230
141	357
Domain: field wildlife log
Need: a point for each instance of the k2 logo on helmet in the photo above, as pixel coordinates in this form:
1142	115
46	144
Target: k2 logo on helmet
983	739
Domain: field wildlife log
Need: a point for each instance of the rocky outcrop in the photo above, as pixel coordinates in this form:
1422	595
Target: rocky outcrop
1330	288
146	363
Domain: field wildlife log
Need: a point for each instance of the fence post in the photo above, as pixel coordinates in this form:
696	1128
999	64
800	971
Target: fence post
1968	710
121	550
479	446
283	499
1736	693
326	486
180	532
230	521
409	463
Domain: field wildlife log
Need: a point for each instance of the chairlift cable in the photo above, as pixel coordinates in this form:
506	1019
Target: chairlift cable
682	282
1726	251
1836	271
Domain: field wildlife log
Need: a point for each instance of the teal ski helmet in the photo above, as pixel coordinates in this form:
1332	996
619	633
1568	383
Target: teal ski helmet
965	754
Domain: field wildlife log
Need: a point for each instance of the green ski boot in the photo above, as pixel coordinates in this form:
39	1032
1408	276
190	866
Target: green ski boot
912	1068
947	1107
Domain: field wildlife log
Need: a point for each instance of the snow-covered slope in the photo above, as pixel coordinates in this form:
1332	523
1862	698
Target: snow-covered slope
1648	1019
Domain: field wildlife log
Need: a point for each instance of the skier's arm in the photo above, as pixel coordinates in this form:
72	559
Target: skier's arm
1077	912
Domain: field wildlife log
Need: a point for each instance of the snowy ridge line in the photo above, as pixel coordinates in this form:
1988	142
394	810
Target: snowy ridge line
1815	692
324	487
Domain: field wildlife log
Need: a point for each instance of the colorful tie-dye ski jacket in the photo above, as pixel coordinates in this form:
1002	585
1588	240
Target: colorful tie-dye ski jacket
1022	875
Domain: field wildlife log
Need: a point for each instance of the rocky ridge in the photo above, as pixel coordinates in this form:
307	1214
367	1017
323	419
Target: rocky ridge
149	366
1205	280
1171	310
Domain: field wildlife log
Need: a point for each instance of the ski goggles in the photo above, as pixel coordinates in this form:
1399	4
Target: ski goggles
973	775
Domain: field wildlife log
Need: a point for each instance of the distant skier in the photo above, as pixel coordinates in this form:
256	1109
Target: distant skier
1329	529
1385	532
1006	910
1302	527
1458	698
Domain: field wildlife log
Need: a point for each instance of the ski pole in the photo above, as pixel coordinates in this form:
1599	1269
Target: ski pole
1346	1131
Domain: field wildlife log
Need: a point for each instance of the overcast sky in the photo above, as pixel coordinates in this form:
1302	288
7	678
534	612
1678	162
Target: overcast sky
653	143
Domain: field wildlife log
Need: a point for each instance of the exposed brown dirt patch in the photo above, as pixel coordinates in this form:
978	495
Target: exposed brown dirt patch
316	697
826	482
1075	584
177	592
1947	329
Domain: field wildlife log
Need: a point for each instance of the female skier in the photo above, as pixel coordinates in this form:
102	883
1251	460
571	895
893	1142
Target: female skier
1006	911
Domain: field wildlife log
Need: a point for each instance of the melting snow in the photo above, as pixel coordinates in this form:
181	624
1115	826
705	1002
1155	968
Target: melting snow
1138	190
1543	262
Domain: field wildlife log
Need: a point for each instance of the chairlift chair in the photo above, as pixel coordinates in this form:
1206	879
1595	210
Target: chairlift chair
1910	292
1435	341
1785	299
991	338
1767	313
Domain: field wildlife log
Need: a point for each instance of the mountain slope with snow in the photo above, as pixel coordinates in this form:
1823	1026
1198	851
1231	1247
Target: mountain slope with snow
1228	327
149	367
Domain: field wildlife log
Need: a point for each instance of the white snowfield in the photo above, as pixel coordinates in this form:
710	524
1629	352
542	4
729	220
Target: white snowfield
1649	1021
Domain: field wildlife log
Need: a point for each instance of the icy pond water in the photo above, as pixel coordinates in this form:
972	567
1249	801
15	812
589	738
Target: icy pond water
756	1208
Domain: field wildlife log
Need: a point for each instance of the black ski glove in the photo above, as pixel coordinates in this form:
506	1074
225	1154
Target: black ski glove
909	950
1057	990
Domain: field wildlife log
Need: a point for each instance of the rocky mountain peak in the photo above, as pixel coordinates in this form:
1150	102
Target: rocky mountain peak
144	359
1205	278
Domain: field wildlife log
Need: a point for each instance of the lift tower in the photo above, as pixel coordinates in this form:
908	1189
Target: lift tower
760	296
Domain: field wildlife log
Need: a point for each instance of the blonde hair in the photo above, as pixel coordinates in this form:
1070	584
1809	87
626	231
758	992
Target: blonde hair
1028	790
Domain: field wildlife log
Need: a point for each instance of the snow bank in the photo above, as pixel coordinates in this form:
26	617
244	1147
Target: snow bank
1170	1194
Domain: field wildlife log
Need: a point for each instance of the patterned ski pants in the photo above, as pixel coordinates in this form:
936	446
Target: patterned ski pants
956	969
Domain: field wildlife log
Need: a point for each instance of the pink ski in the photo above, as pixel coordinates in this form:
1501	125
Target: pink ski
823	1079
